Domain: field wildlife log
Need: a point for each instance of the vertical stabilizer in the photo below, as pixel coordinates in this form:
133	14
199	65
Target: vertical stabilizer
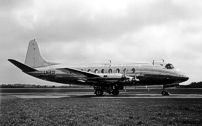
34	58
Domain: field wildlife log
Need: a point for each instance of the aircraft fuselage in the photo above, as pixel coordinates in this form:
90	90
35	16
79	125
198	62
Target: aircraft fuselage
147	74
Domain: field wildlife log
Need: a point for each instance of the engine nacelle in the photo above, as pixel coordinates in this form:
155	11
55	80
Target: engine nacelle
132	79
114	77
111	75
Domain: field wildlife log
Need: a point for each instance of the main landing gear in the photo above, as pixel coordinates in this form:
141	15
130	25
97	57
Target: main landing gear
115	91
99	90
164	93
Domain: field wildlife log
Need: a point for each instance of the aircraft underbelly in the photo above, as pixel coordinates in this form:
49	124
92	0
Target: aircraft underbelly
156	79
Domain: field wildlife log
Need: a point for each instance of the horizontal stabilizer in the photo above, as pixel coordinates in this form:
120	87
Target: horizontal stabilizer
21	66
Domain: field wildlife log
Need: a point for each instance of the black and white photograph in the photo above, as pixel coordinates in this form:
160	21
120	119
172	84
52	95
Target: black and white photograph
100	62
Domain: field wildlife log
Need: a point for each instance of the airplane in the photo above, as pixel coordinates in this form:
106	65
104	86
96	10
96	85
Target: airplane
104	77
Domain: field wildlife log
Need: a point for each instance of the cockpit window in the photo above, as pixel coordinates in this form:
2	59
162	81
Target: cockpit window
169	66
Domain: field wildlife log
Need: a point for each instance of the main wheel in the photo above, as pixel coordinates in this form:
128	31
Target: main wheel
99	92
115	92
165	93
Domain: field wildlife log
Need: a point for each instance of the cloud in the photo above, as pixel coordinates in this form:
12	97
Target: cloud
98	31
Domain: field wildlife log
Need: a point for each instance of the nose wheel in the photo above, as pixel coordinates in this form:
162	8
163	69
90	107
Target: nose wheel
165	93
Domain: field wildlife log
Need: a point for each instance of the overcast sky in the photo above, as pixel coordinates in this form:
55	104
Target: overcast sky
74	31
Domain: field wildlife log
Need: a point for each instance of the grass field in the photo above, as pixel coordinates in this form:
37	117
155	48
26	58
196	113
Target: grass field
86	111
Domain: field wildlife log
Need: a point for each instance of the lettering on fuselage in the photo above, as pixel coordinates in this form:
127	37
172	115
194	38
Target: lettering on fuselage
50	72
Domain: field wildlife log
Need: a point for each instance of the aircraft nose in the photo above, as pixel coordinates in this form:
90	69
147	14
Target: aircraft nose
185	78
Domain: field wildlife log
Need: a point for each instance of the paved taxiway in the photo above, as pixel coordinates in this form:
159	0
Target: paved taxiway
107	96
88	93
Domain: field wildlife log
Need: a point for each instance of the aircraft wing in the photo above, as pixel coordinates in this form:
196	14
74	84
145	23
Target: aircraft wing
84	76
76	71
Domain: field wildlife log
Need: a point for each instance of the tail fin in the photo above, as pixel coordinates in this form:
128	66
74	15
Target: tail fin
21	66
34	58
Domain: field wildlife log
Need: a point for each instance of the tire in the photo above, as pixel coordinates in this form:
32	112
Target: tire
99	92
115	92
164	93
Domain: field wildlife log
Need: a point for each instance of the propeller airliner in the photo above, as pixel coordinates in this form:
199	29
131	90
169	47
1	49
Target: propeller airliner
104	77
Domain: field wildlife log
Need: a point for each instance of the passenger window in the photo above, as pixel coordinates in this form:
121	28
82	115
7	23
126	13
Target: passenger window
117	70
110	71
133	70
96	71
124	70
102	71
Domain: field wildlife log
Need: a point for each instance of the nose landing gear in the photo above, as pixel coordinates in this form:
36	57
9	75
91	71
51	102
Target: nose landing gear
164	93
